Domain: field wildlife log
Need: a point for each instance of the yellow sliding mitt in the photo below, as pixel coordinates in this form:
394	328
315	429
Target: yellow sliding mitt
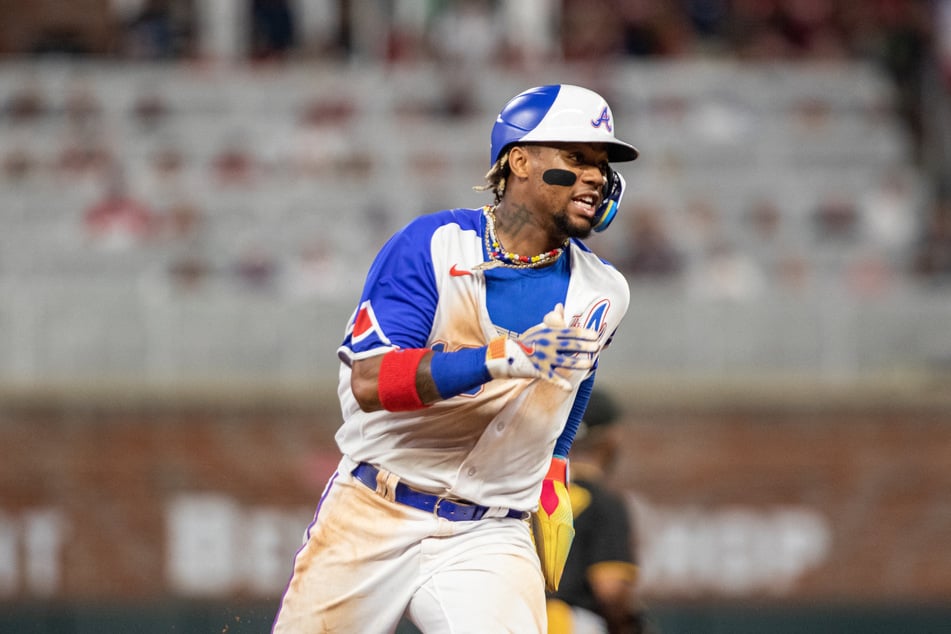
553	523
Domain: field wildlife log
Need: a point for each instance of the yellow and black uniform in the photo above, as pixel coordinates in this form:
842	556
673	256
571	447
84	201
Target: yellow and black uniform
602	540
598	591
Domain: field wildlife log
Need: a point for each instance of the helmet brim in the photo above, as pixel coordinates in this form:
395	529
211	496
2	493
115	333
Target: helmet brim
620	152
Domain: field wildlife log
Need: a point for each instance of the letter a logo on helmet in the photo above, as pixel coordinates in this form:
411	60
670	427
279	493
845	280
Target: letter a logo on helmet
605	118
559	113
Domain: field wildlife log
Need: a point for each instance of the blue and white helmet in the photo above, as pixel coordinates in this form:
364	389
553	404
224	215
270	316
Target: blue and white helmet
569	114
560	113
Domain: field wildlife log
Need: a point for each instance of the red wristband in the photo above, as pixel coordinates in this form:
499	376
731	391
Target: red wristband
397	381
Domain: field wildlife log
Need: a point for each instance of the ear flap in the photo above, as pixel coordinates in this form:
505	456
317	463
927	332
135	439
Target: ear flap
613	191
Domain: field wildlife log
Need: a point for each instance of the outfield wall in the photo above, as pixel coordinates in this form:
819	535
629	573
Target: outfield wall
746	504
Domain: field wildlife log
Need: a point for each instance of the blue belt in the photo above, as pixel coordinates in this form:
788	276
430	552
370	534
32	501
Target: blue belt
453	510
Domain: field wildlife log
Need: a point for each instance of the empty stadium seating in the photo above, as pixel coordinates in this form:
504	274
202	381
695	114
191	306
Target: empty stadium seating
281	161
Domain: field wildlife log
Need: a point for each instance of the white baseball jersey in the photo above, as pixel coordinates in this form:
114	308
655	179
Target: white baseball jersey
493	445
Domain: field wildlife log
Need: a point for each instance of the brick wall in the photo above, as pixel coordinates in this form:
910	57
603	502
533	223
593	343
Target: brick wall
135	502
873	484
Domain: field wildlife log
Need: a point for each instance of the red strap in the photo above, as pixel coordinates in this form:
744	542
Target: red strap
397	381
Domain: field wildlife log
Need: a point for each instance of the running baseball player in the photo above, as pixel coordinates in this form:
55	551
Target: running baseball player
465	370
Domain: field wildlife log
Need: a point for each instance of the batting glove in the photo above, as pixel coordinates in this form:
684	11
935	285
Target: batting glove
553	523
541	350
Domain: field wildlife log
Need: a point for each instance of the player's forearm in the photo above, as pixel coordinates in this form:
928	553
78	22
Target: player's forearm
407	379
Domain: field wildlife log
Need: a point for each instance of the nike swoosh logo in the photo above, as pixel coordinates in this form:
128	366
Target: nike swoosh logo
457	272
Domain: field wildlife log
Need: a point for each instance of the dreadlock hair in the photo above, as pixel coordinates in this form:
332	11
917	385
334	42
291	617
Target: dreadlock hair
496	178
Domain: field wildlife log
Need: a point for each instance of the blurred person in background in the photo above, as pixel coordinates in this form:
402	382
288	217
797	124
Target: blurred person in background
150	32
598	589
156	29
273	29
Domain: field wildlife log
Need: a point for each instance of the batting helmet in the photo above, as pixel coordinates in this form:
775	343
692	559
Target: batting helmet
561	113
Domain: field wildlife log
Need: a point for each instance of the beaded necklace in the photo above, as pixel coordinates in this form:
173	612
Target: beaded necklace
500	257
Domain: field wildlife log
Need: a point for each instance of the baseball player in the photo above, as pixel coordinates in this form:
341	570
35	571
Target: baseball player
597	590
465	370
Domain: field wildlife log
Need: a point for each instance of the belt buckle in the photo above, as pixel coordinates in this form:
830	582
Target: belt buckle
464	510
436	506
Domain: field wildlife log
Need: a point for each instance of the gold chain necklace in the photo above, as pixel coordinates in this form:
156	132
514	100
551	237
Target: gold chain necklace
500	257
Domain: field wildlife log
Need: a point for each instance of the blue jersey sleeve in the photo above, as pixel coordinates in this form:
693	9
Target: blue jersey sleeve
399	296
567	437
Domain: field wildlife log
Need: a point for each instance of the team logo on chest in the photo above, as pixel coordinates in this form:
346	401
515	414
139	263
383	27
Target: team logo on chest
593	318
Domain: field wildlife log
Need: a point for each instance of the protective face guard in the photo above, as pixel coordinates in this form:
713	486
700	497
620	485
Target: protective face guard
611	200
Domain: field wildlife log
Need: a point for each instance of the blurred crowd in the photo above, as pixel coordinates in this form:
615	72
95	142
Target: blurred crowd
905	233
899	35
896	33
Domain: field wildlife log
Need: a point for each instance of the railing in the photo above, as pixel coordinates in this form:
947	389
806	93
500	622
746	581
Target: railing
80	331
